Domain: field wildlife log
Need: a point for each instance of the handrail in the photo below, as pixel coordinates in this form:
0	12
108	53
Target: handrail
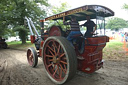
34	27
31	25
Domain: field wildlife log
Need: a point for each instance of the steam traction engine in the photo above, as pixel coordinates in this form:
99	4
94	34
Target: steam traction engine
59	57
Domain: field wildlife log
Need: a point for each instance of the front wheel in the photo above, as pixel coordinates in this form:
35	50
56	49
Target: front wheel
59	59
32	57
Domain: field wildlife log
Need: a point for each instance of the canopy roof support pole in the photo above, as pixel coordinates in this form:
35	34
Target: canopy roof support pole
104	26
96	22
104	21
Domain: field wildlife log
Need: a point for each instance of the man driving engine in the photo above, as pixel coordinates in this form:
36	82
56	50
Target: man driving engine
89	24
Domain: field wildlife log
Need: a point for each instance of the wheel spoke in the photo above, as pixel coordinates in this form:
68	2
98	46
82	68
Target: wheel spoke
58	49
62	55
51	52
55	47
65	67
55	71
60	72
50	48
49	65
31	54
54	44
54	67
50	59
58	69
63	62
54	50
62	68
60	75
30	57
49	56
65	58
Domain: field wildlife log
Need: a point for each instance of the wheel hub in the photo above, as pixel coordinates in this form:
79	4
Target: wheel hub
56	59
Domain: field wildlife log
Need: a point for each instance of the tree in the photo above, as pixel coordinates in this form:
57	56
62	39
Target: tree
58	9
63	7
125	6
116	23
14	12
30	9
5	18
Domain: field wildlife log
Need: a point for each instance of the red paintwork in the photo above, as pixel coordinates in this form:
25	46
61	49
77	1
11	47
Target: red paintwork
32	37
40	53
42	42
55	31
40	50
92	54
30	57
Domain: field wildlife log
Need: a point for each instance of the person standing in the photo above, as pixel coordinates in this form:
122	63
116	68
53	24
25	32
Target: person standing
75	29
75	32
91	27
122	36
126	36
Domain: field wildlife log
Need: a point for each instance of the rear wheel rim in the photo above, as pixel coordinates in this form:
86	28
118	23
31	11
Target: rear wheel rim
30	57
55	60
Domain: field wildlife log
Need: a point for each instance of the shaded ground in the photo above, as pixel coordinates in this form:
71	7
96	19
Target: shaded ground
16	71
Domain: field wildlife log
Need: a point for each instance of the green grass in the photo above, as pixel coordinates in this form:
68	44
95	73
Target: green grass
14	42
114	45
114	50
19	45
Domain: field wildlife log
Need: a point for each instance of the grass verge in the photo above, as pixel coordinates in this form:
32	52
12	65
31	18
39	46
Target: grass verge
18	45
114	50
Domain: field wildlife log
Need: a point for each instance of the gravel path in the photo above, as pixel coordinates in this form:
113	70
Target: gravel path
14	70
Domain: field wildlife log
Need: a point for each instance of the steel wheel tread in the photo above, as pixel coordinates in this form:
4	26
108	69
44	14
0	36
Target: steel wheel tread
70	56
32	57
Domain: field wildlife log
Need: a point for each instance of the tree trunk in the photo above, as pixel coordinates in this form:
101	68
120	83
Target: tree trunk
23	41
23	35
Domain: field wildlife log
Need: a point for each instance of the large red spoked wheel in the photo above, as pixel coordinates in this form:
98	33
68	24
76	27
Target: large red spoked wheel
32	57
59	59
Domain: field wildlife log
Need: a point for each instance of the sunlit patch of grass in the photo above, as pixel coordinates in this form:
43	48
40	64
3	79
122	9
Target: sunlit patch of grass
14	42
114	50
19	45
114	44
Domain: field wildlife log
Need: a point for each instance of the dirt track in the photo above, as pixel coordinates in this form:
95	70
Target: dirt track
16	71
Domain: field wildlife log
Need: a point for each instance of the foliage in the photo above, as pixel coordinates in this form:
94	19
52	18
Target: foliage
116	23
22	32
125	6
13	13
63	7
5	13
58	9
